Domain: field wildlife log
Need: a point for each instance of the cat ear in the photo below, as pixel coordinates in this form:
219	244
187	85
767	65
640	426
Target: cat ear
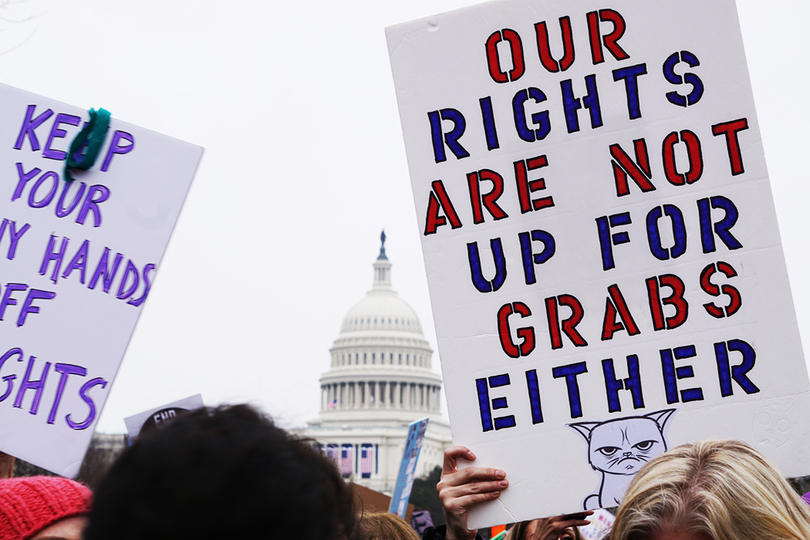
661	417
584	428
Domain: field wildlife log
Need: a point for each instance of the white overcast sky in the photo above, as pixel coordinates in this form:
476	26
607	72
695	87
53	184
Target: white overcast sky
304	165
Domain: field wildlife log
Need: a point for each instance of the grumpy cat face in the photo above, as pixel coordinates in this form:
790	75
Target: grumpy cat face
624	445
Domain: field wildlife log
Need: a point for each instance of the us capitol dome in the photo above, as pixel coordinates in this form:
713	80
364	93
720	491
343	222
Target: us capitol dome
380	380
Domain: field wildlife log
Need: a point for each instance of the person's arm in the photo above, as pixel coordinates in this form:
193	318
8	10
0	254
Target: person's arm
461	489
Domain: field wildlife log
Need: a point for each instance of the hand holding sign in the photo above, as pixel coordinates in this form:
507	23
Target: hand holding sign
460	489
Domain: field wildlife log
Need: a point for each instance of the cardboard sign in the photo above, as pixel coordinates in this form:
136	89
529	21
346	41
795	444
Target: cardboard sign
600	242
410	456
159	417
77	261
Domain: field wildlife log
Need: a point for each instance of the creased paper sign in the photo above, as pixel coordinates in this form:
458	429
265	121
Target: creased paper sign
77	262
600	242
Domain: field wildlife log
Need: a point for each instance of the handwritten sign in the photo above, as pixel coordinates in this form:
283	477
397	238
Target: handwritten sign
600	242
77	260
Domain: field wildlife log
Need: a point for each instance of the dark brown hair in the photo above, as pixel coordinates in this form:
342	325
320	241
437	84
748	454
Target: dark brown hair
216	473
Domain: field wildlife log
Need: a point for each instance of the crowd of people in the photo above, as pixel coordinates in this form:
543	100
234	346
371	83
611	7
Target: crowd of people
229	472
709	490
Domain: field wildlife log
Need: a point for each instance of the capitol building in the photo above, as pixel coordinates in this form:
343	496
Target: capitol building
380	380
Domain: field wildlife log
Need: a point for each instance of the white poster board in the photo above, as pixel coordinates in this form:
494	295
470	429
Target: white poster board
600	242
77	262
158	417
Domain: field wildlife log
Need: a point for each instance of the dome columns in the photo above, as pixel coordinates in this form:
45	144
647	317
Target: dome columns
380	394
380	380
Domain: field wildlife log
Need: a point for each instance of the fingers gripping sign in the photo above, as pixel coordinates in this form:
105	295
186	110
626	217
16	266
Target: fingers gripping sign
460	489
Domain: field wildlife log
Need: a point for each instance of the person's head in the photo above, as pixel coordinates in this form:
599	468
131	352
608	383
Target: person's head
518	531
225	472
43	507
525	529
711	490
383	526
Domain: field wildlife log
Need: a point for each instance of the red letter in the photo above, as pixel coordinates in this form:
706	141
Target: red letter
526	187
614	305
544	49
489	199
622	166
493	61
695	158
735	301
610	40
439	198
568	325
730	129
526	334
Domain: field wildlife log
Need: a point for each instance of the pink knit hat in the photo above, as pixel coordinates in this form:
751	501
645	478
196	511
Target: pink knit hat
30	504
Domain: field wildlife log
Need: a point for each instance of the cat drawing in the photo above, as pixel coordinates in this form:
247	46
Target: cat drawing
618	448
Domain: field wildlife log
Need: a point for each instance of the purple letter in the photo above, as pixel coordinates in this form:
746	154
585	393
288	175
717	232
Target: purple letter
66	370
29	126
57	133
115	148
87	399
28	306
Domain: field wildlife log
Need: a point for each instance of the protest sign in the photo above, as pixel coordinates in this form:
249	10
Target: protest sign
600	242
407	468
77	261
159	417
600	523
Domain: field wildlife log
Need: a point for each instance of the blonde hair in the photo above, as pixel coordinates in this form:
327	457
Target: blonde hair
724	489
383	526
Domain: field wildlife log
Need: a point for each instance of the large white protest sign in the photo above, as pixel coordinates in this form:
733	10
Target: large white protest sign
600	242
77	261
